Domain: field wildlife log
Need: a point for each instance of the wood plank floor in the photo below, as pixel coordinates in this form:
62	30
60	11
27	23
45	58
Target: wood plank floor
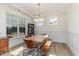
57	49
61	49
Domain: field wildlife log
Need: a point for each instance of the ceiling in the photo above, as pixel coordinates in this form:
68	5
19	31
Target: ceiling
45	8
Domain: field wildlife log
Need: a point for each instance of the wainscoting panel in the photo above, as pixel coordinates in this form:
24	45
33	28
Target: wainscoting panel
73	42
15	41
57	36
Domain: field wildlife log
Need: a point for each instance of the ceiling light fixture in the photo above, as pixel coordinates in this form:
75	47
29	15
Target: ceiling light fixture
39	19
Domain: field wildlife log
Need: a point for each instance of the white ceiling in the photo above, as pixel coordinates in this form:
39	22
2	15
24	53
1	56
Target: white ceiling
45	8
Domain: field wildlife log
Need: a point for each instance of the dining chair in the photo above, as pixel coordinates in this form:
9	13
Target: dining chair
30	47
27	36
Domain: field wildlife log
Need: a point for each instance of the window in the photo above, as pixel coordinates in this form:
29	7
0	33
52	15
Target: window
53	20
15	25
11	22
21	26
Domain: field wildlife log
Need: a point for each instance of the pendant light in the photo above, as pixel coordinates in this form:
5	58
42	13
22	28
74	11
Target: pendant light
39	19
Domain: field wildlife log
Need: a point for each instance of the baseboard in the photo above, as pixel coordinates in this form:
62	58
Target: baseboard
59	42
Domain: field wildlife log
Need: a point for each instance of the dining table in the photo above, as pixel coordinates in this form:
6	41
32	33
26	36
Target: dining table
38	39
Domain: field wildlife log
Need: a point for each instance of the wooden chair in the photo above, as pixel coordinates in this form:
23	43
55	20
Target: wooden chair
29	43
27	36
30	46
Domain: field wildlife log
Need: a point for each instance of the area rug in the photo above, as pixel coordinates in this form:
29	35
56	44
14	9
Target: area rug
25	51
22	51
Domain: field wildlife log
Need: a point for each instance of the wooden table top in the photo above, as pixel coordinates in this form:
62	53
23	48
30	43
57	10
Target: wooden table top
37	38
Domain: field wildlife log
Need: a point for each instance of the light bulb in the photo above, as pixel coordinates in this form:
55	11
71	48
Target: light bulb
36	20
40	19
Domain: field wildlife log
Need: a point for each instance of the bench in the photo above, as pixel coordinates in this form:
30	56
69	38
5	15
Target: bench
45	47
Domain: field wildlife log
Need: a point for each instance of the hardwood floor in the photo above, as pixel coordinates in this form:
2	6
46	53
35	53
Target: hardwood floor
61	49
57	49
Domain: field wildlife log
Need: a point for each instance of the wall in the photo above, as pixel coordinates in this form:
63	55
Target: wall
8	9
2	22
73	28
56	32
